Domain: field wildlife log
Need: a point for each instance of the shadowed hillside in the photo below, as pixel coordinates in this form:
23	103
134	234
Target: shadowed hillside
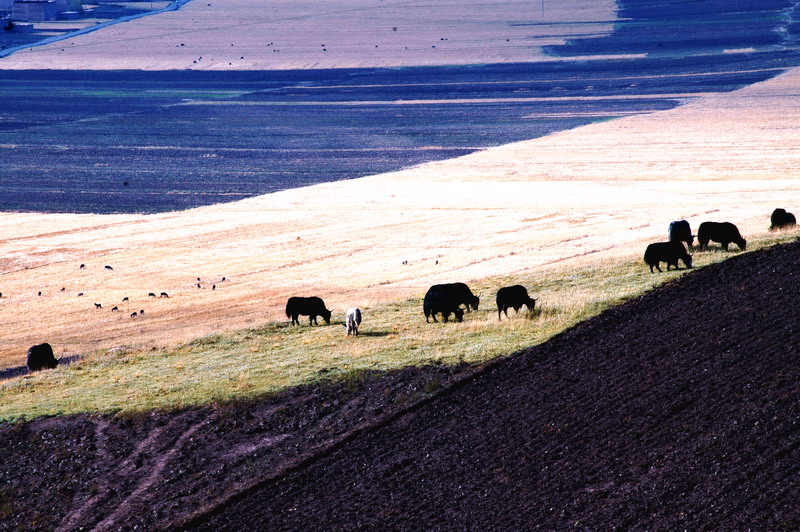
678	408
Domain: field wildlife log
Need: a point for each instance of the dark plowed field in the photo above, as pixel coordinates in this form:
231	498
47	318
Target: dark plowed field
677	410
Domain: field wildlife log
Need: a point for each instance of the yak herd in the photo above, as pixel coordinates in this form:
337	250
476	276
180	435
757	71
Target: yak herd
724	233
444	299
457	298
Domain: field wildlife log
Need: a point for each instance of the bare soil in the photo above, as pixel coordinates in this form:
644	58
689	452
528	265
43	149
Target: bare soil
676	409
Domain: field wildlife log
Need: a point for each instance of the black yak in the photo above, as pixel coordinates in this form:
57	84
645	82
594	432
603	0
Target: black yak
722	232
669	252
781	219
681	231
442	302
307	306
513	297
459	292
41	357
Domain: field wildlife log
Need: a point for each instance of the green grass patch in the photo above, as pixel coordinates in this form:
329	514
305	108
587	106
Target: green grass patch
258	362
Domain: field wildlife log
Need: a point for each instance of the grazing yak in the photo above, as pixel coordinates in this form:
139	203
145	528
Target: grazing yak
722	232
41	357
441	302
352	321
459	292
669	252
513	297
781	219
681	231
307	306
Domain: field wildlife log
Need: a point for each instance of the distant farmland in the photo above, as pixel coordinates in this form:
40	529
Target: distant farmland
146	142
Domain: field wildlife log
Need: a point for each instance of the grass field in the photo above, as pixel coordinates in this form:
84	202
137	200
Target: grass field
274	356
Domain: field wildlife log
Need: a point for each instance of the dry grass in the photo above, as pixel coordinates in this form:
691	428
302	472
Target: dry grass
265	359
540	212
594	194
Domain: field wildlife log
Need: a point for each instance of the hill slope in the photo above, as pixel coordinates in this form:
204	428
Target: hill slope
678	408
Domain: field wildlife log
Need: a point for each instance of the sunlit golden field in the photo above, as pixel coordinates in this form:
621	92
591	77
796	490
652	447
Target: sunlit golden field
274	355
596	193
